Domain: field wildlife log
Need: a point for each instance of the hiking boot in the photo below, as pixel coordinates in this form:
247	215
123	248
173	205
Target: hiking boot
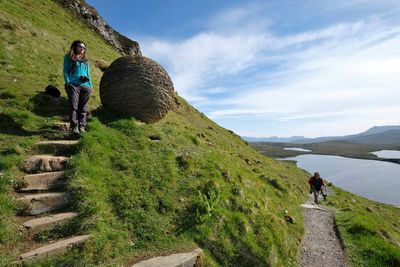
82	129
75	130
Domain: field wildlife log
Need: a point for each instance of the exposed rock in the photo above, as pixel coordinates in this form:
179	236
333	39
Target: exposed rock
312	206
137	86
288	218
44	163
41	203
90	16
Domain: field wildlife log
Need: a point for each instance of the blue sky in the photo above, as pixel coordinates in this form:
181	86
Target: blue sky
274	68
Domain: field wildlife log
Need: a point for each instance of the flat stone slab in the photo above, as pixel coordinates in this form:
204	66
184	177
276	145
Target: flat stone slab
175	260
56	247
312	206
57	142
41	181
44	163
48	221
41	203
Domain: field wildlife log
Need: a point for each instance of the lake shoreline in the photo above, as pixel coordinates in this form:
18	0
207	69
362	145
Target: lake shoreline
343	149
358	176
397	161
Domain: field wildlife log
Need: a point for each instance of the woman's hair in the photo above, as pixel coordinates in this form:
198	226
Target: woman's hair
316	174
73	50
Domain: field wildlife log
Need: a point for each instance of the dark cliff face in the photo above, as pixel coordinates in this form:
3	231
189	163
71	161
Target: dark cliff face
89	15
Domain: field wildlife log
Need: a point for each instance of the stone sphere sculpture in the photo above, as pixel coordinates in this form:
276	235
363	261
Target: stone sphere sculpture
137	86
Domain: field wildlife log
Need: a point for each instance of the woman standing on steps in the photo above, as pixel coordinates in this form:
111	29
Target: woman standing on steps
78	85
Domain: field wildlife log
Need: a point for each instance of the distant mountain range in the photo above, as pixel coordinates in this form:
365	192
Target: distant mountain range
376	135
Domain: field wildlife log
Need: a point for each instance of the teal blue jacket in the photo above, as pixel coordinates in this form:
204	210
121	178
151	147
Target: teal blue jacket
75	69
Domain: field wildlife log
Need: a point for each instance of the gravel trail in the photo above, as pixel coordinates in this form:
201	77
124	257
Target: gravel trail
320	246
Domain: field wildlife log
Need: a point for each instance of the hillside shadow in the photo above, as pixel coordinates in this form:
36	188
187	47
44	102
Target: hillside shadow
9	126
47	106
106	117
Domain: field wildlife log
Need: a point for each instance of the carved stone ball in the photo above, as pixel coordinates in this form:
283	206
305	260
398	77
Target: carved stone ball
137	86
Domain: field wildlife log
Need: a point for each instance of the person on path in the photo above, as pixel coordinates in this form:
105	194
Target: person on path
316	184
78	85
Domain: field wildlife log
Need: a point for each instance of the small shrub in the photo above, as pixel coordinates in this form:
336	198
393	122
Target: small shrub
207	205
183	161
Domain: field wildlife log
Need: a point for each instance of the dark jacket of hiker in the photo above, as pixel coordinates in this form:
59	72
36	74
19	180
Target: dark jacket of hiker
316	182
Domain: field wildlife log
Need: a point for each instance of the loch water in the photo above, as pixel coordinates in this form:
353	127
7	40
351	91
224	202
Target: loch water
373	179
387	154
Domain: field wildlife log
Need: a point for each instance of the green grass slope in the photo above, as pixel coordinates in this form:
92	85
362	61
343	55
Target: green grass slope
145	190
370	230
198	185
34	38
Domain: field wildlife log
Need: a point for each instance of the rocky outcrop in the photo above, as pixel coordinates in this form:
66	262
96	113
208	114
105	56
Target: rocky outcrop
137	86
90	16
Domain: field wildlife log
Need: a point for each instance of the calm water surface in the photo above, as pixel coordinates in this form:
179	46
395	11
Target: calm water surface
387	154
376	180
297	149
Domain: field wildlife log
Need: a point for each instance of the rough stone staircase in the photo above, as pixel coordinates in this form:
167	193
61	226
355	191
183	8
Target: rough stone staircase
47	204
44	197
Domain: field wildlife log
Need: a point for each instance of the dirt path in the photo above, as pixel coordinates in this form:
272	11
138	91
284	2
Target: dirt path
320	246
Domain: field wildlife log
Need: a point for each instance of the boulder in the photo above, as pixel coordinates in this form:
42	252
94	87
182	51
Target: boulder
137	86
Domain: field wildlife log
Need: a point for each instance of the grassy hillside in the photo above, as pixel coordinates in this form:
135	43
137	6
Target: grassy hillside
370	231
34	37
199	185
142	190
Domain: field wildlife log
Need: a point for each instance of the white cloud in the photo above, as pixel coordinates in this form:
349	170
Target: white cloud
346	73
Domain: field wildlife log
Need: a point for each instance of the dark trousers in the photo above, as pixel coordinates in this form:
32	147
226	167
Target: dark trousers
78	98
316	196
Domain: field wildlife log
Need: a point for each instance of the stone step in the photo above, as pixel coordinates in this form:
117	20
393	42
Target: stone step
44	163
41	203
60	135
57	143
41	181
56	147
188	259
49	221
53	248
